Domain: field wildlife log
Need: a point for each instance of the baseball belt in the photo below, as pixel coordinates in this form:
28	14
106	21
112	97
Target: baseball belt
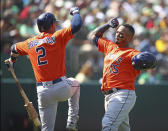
107	92
49	82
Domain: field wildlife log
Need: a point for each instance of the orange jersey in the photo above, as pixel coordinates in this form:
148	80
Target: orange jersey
118	71
46	53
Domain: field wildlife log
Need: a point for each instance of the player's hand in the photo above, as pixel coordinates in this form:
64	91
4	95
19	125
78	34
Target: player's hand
74	10
113	22
9	63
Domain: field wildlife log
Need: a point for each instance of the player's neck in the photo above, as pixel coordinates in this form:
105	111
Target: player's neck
49	32
123	45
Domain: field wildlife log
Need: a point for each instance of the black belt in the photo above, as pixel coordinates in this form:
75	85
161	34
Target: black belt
52	82
110	91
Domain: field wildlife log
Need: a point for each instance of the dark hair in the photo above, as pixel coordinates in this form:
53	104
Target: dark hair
45	20
130	28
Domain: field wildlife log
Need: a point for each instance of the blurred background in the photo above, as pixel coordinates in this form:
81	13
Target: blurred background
84	62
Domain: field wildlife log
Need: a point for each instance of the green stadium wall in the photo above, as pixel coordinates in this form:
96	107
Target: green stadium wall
149	114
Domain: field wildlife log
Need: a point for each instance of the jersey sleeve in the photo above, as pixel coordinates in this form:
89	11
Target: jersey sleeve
134	53
22	48
102	45
64	35
105	45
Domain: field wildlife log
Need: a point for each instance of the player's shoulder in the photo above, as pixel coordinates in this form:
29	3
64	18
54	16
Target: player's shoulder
104	39
39	36
30	41
133	52
61	31
26	41
112	45
130	52
130	49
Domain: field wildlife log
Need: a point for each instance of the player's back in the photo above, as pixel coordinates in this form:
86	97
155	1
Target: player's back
47	54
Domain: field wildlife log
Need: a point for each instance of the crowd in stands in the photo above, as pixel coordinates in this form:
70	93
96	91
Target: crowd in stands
148	17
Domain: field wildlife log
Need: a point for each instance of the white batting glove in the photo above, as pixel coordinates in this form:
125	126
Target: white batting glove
74	10
9	61
113	22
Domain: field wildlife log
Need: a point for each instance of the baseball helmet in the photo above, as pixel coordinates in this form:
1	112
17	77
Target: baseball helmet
144	60
45	20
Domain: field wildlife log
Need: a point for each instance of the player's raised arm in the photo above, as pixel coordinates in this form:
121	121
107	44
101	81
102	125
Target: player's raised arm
76	21
98	32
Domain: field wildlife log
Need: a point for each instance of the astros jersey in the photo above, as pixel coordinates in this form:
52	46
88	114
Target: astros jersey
118	71
46	53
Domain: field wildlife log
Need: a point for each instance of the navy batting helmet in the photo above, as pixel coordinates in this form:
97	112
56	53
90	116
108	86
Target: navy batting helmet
144	60
45	20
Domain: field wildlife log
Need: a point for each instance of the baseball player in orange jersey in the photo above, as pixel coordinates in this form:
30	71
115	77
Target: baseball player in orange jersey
46	52
121	67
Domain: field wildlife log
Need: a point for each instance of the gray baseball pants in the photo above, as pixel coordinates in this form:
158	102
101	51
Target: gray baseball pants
49	95
117	107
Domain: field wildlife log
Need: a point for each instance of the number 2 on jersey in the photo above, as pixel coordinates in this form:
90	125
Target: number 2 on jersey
42	55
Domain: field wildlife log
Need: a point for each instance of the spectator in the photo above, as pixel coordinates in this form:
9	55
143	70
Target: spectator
162	43
149	18
149	77
85	72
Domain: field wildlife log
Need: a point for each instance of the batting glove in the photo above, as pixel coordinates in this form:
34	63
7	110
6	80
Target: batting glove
74	10
9	61
113	22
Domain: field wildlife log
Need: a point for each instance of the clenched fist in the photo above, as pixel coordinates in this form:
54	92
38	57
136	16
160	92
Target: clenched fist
74	10
113	22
